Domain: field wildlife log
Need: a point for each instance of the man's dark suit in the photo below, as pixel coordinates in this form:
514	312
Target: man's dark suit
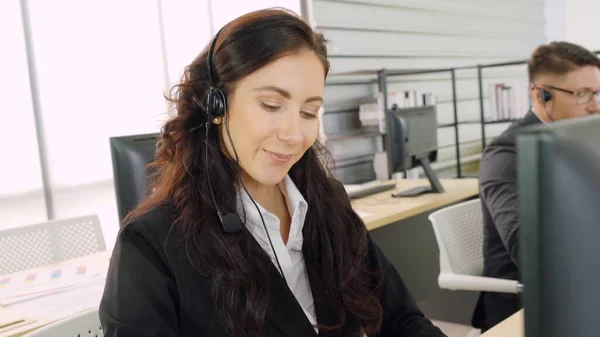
498	192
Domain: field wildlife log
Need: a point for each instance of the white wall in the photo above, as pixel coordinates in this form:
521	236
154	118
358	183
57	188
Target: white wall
582	22
574	21
555	15
227	10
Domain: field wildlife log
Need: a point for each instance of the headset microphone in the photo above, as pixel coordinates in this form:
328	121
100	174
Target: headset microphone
230	222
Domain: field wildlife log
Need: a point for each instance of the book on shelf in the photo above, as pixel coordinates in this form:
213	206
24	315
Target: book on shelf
508	100
371	111
407	99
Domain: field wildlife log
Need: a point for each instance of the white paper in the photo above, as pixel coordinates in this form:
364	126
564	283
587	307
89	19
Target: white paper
363	214
46	281
63	304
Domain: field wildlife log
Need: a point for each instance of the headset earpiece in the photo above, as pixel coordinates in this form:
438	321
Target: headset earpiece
545	96
216	102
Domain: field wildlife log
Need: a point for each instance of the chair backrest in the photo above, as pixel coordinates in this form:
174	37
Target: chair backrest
459	233
85	323
54	241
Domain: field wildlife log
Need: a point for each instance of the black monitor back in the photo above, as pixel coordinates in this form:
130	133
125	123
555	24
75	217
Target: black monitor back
412	133
559	214
130	157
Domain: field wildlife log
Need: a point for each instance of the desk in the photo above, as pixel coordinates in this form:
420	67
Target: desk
42	315
383	209
401	228
510	327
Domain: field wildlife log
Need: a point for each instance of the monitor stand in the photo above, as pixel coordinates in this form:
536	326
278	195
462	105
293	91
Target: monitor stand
434	182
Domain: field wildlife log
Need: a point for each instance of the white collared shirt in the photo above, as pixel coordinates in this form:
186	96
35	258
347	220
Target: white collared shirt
290	255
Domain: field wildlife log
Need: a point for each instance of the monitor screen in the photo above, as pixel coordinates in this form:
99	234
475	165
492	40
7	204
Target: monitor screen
559	214
130	157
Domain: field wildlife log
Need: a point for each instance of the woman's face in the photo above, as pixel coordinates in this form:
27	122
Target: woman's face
273	116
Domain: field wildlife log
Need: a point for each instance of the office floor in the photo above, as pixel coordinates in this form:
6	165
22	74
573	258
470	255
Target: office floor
455	330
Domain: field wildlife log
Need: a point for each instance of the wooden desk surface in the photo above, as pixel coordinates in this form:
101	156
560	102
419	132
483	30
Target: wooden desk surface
510	327
383	209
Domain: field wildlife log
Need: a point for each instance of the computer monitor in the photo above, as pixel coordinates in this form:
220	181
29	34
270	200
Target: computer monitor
559	213
412	142
130	157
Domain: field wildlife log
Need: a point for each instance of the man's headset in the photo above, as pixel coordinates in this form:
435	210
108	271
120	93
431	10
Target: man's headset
216	106
546	96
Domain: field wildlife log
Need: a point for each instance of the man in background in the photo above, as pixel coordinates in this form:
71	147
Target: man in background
564	80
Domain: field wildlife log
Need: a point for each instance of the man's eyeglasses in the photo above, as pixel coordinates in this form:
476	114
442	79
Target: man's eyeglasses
583	96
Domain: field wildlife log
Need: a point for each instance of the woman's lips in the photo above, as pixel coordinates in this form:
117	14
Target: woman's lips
279	158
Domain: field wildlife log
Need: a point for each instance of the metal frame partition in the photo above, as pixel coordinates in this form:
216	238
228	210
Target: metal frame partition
383	76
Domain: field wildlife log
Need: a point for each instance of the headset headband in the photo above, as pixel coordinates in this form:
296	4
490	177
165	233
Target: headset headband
210	56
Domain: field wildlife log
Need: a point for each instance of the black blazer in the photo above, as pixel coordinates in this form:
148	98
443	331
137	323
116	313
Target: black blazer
498	193
153	290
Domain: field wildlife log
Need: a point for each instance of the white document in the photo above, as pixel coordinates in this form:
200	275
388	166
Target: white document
47	280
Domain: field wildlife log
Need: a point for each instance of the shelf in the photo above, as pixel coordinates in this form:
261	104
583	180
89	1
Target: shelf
476	121
383	83
453	162
500	121
446	125
363	132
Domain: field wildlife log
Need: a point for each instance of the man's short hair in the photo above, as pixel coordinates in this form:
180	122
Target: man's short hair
559	58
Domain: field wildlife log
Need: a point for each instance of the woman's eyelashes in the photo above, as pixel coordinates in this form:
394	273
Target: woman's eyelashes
310	111
270	106
275	107
309	114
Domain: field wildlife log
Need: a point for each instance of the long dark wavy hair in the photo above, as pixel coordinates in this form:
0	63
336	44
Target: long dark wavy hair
336	244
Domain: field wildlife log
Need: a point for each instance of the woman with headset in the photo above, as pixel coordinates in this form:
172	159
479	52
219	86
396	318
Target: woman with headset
244	232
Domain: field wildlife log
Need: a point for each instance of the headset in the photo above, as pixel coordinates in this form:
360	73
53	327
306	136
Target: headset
216	101
216	106
546	96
